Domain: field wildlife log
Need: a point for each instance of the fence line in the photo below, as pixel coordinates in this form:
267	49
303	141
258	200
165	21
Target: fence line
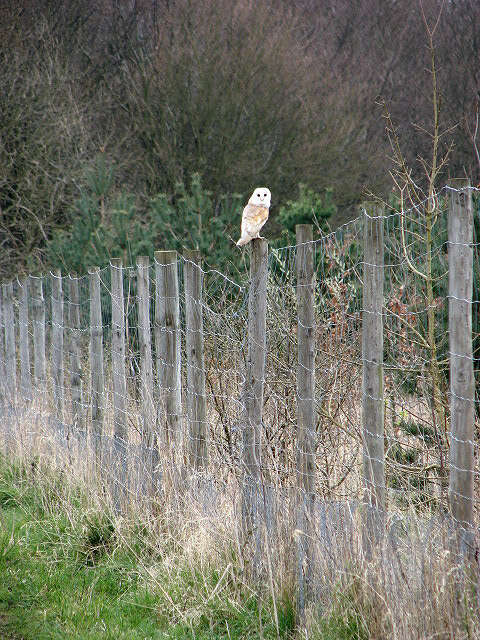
312	391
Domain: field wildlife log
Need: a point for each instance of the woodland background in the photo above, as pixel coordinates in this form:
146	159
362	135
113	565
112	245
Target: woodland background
129	126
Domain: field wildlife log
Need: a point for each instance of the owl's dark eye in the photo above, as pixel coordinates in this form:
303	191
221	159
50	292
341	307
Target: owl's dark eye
264	195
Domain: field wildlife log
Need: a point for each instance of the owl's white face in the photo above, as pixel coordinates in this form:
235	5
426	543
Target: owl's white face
261	197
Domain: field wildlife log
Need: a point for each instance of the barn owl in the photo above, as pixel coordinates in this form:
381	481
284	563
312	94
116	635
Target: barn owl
255	215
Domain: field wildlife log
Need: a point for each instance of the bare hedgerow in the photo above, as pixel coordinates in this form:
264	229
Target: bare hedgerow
232	91
45	138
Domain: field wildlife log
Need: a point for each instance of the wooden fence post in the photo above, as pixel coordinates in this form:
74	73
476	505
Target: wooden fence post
57	343
145	344
372	382
149	439
38	320
167	346
462	387
96	360
10	351
119	379
24	346
75	355
196	394
254	386
2	354
306	422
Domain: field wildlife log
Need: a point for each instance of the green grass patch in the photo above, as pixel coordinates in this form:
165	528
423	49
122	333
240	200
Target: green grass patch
71	571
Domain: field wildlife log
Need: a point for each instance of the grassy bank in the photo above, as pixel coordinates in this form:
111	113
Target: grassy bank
71	570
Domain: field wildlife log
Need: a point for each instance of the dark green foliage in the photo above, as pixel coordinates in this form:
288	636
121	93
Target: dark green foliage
114	225
407	381
104	225
193	218
404	455
99	537
8	498
287	615
418	429
415	484
310	208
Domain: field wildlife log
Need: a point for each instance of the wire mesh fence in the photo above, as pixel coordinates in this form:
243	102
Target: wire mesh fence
332	390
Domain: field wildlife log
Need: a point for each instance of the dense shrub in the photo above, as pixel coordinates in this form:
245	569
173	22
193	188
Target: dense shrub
109	224
310	208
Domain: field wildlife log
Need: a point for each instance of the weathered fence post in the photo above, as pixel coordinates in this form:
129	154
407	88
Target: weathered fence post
38	320
96	361
462	389
306	422
167	346
372	383
10	360
10	351
119	380
149	440
145	344
24	347
2	354
57	343
253	393
75	355
196	394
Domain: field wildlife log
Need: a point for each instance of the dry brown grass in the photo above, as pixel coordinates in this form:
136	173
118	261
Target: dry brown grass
412	588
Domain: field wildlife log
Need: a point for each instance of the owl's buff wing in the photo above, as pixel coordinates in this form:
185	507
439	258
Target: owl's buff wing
253	219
